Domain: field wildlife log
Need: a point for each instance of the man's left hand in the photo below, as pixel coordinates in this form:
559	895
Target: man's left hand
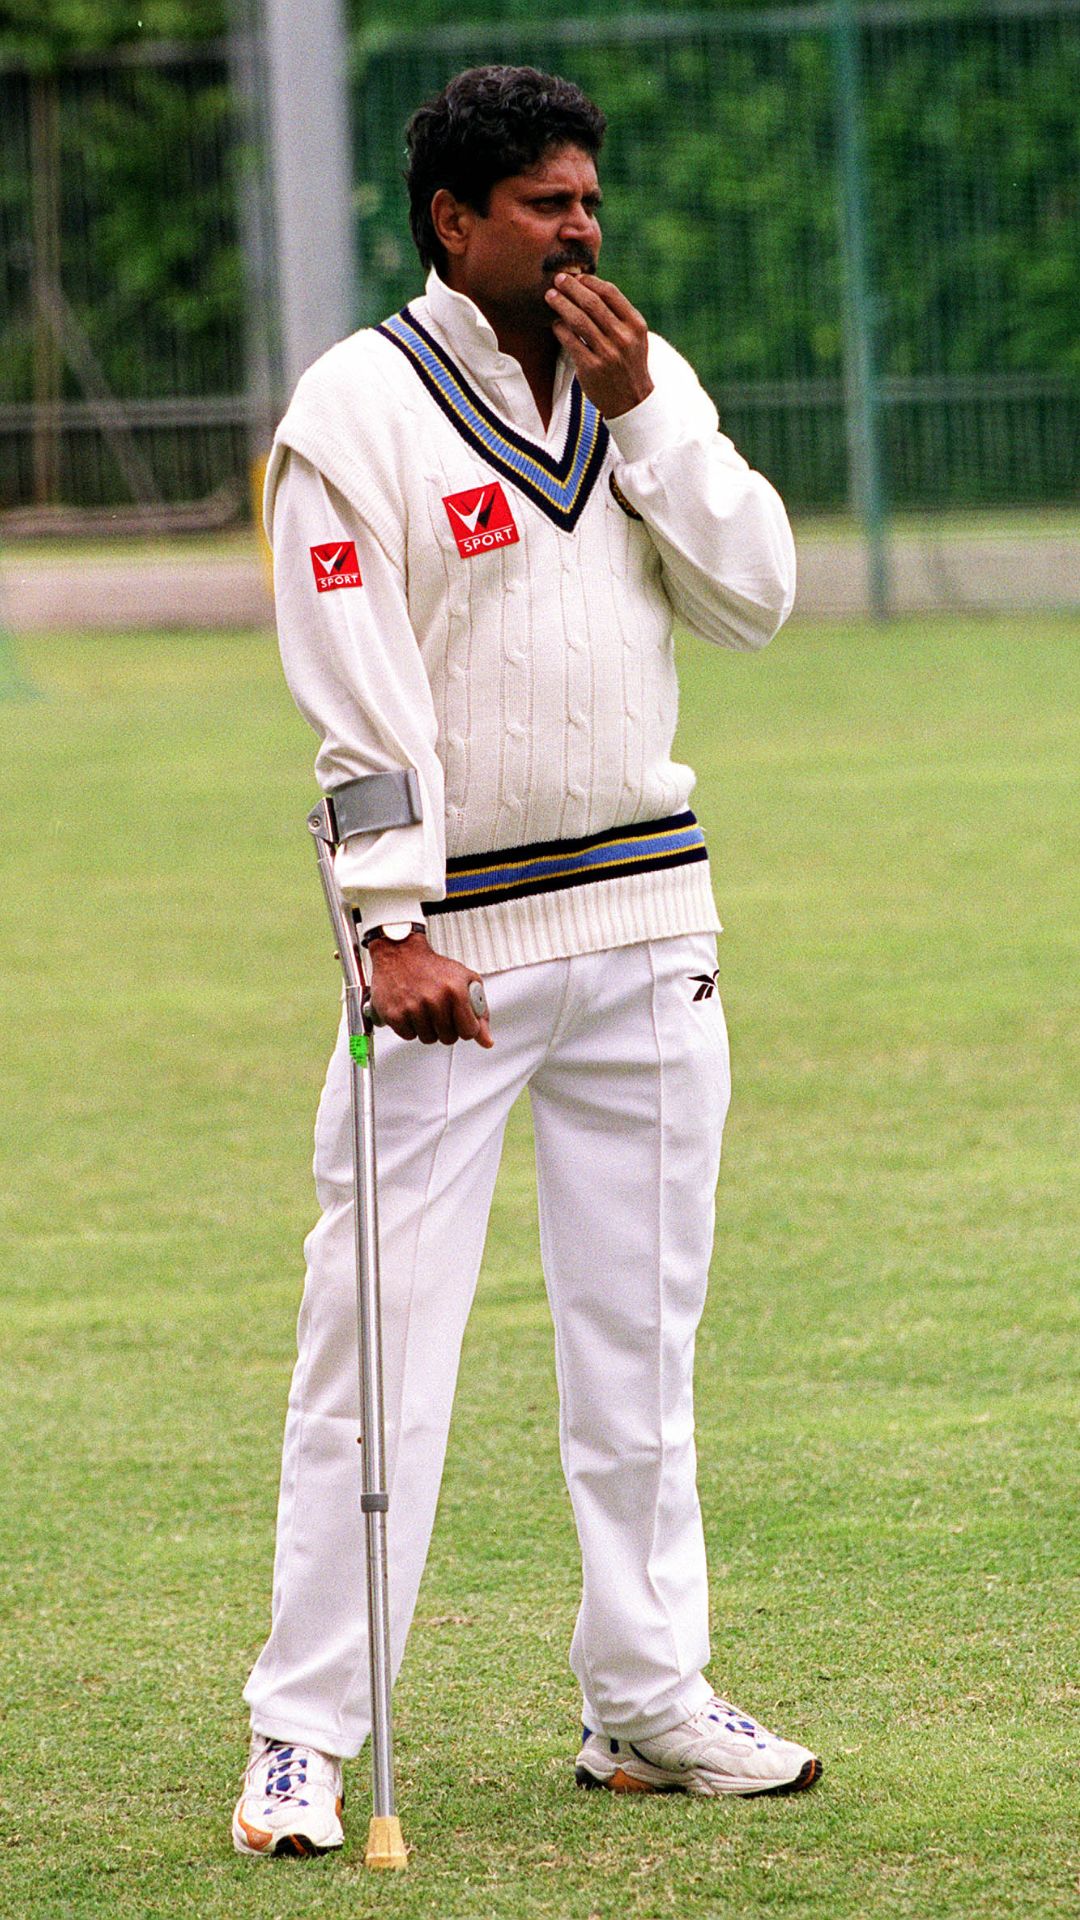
606	338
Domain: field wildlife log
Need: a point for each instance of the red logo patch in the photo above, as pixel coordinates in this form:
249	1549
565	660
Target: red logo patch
480	520
336	565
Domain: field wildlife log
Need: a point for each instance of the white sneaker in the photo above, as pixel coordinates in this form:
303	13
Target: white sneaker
291	1801
720	1750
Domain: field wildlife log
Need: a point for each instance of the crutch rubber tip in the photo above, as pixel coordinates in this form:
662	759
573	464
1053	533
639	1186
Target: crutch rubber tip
385	1846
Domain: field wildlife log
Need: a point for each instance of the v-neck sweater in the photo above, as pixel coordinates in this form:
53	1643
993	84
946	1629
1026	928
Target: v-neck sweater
522	664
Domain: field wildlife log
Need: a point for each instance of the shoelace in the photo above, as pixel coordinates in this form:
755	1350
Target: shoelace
734	1721
280	1784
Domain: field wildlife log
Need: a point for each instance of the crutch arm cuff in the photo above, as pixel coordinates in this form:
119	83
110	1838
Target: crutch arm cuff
375	802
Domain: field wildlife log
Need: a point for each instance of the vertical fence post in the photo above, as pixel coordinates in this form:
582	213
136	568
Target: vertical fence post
45	279
307	67
862	393
251	184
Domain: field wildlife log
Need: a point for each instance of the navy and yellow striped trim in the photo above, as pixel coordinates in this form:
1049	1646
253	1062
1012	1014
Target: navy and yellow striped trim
560	488
550	866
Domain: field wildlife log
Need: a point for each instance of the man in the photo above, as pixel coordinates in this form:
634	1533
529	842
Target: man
486	515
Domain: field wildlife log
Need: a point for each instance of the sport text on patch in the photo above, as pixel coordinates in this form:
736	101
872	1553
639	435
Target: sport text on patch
480	519
335	565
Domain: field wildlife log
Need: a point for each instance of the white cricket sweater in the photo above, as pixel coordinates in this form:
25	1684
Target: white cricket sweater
524	666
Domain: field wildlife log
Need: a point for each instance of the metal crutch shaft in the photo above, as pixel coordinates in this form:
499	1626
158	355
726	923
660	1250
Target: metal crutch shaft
385	1847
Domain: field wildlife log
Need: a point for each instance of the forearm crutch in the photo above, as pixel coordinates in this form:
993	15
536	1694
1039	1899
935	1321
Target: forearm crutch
368	806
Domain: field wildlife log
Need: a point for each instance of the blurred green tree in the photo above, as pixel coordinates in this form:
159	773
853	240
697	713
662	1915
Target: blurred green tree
43	33
720	221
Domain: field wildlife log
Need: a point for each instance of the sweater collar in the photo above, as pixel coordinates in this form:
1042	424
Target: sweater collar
470	339
469	336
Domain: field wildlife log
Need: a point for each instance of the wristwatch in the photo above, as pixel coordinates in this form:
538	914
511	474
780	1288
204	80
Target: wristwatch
395	930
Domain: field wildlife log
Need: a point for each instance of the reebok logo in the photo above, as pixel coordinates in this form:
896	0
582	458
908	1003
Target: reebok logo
705	984
480	520
335	565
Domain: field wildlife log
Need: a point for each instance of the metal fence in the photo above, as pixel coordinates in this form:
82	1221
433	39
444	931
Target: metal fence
121	286
725	219
728	219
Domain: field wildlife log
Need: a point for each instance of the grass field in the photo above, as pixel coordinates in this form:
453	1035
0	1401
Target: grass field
887	1370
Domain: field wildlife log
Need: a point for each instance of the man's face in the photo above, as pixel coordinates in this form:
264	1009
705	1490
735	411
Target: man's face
537	224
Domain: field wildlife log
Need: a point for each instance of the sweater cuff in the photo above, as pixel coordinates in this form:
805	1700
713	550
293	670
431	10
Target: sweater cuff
382	909
646	429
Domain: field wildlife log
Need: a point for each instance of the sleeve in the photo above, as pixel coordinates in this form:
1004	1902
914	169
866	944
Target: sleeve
353	667
726	550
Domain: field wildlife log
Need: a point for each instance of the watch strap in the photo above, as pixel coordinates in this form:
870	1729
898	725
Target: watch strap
376	933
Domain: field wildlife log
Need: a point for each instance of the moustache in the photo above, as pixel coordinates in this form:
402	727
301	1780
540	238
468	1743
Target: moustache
579	257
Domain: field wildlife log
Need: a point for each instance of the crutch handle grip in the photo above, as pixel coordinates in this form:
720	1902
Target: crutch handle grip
477	1001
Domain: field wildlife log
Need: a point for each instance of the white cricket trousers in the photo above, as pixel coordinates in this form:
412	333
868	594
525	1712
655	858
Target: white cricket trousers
625	1056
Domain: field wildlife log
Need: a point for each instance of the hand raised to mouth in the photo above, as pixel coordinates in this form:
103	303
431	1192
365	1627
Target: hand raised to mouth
570	263
606	338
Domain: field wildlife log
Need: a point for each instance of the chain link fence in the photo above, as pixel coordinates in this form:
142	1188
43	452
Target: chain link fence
121	288
121	294
723	222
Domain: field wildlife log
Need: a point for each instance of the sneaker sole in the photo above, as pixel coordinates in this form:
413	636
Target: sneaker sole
287	1846
620	1781
809	1776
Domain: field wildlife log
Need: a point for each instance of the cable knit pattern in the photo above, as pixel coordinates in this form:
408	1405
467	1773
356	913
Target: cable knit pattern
547	701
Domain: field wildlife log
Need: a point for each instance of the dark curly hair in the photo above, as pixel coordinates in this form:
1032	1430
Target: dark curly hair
486	124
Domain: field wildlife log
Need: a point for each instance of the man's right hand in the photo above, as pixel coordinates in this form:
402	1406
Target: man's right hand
422	995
